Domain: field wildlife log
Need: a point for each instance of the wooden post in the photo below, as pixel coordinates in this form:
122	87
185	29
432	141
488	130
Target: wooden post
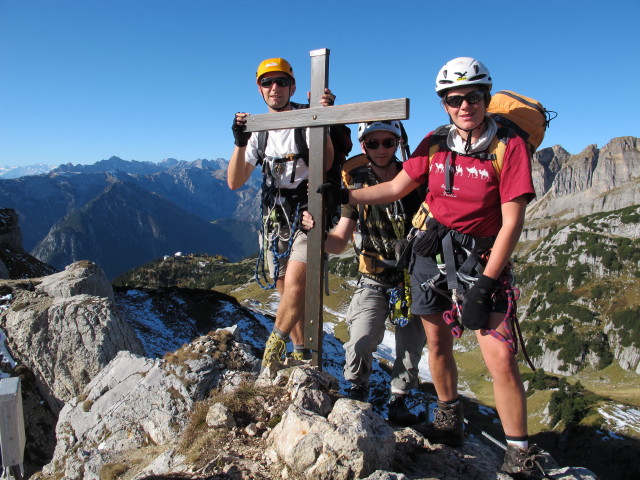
317	119
315	258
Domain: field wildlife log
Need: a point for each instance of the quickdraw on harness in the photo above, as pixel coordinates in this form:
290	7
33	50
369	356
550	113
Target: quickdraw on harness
281	207
400	303
400	296
272	245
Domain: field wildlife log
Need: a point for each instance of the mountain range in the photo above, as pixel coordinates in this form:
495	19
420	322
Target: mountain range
122	214
577	266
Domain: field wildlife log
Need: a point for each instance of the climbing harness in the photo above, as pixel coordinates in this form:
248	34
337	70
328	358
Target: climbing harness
464	260
281	212
357	174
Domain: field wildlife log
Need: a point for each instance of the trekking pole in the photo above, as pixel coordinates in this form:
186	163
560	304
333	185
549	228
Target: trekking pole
493	440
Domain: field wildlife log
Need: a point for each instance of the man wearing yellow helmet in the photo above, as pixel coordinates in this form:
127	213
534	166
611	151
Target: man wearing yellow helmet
284	197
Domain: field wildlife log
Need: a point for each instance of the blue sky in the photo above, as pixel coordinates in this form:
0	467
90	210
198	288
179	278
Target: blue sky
82	80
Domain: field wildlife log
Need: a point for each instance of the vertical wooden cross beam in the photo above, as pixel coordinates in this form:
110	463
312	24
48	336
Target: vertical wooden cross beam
315	258
318	118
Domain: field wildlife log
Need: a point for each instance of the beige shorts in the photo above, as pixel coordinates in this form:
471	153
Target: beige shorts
298	252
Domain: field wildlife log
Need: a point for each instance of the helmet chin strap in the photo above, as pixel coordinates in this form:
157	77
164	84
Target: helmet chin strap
467	144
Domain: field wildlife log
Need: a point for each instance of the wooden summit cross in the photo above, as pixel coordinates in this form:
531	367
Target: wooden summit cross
318	119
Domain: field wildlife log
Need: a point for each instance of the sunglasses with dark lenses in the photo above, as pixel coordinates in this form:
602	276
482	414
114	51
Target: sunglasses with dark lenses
472	98
374	144
280	81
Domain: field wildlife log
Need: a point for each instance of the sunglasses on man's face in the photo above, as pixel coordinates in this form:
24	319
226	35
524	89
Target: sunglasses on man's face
374	144
280	81
472	98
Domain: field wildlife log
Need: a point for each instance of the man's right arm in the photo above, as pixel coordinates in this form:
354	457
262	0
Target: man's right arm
239	170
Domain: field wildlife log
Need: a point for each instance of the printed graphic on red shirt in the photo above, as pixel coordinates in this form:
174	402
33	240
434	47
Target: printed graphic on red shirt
473	203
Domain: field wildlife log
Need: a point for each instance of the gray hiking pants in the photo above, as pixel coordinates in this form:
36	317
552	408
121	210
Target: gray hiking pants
366	317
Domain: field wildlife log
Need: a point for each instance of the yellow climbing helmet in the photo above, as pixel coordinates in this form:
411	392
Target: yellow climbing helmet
274	65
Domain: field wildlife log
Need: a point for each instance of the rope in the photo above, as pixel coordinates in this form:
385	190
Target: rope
510	323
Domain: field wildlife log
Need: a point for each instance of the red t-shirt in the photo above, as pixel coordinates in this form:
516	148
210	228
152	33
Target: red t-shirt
474	204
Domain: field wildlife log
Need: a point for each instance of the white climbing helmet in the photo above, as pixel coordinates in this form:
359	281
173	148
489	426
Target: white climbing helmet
392	126
462	72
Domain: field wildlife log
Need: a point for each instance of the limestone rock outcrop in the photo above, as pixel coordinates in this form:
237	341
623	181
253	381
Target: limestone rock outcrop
16	263
66	330
348	441
137	402
595	180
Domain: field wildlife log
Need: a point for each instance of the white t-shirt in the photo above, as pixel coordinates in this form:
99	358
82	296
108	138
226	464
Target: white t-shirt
280	144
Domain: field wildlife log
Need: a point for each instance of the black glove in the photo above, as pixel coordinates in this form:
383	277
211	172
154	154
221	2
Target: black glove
241	137
333	194
477	303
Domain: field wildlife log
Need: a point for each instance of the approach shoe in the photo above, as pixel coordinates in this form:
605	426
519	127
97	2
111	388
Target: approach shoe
274	350
447	426
359	392
524	464
398	411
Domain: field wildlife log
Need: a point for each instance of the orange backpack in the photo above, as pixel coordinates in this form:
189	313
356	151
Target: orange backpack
526	116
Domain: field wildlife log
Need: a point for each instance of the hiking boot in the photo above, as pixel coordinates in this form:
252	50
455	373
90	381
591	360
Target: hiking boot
359	392
301	355
398	411
523	464
274	350
447	426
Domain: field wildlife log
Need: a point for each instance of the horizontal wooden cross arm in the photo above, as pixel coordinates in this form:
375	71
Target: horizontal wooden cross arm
395	109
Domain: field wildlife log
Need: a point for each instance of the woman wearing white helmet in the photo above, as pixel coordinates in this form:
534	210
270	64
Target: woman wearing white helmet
461	258
375	230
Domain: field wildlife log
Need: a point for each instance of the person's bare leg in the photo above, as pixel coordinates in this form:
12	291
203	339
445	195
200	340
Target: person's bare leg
442	364
508	391
292	297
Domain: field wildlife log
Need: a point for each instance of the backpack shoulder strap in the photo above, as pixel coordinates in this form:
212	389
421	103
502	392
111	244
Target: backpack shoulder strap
497	148
301	142
437	141
300	136
262	145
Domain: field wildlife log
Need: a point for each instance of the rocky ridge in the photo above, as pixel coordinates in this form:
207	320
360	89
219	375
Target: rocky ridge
141	416
595	180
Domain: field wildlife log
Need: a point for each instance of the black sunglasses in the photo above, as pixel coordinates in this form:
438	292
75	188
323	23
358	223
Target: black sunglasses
472	98
374	144
280	81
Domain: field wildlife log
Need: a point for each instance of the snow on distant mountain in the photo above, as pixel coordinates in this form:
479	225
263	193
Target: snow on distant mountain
23	171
